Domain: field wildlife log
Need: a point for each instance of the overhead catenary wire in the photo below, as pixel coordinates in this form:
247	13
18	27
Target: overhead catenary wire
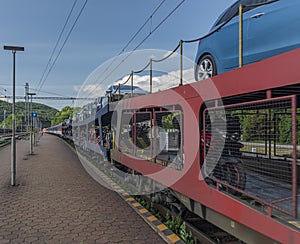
51	93
63	45
130	53
132	38
56	44
155	29
140	29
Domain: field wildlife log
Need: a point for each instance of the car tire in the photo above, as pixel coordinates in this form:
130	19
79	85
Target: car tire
206	67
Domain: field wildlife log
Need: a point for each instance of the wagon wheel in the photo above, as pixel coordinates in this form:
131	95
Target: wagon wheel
178	209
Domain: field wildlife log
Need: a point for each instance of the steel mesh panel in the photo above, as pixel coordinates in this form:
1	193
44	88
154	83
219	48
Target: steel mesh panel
257	145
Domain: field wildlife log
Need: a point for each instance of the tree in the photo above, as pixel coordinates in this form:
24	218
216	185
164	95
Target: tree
66	113
8	121
44	112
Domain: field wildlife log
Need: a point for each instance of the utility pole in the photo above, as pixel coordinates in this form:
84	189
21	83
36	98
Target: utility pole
26	108
31	123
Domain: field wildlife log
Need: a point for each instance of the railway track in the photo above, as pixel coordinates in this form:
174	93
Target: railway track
202	231
6	139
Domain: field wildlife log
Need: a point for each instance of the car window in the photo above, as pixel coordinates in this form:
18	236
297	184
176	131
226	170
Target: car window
234	9
251	4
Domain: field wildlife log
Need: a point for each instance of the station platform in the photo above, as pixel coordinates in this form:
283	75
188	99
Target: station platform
56	201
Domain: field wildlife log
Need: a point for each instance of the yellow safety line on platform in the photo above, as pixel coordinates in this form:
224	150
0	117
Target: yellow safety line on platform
162	227
136	204
143	210
173	238
152	218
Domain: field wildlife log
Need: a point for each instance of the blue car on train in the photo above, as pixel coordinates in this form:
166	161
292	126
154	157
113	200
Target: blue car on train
270	27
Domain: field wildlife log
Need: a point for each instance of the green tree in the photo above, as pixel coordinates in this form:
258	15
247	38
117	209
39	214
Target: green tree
254	125
45	113
8	121
66	113
285	129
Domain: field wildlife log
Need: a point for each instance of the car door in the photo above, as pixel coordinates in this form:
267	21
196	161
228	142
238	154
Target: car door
225	41
273	28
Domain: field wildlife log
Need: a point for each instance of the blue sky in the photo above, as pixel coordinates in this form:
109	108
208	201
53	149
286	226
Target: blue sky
102	31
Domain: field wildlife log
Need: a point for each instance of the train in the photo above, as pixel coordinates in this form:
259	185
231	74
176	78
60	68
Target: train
224	148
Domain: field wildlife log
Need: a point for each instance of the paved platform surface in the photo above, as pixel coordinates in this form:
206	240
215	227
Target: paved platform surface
56	201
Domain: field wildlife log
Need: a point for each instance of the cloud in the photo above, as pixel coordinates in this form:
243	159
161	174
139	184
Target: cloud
88	91
162	82
4	99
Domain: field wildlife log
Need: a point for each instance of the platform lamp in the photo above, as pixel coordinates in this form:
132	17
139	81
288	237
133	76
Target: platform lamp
14	49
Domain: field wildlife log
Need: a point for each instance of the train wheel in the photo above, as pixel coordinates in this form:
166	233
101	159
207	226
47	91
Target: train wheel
178	209
234	175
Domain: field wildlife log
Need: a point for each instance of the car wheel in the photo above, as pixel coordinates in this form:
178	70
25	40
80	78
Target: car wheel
206	67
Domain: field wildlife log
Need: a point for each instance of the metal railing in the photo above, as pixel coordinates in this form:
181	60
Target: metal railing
180	46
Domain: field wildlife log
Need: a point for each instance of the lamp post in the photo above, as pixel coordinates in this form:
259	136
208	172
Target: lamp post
31	122
14	49
4	127
26	108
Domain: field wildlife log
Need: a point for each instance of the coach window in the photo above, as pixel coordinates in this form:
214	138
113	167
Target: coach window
154	134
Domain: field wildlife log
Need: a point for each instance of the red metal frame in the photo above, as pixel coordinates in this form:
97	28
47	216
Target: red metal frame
294	196
294	135
279	71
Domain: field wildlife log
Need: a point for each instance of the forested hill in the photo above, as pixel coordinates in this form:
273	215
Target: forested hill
45	113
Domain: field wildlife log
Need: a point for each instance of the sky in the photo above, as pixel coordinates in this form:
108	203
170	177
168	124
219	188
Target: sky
92	39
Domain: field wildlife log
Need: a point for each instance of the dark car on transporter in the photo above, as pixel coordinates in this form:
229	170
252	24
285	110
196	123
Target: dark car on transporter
270	27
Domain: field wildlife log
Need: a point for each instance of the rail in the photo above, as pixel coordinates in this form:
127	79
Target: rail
6	138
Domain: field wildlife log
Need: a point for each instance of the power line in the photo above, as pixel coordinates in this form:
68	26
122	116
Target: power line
53	98
132	38
64	43
52	93
172	12
140	29
151	32
56	44
130	53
